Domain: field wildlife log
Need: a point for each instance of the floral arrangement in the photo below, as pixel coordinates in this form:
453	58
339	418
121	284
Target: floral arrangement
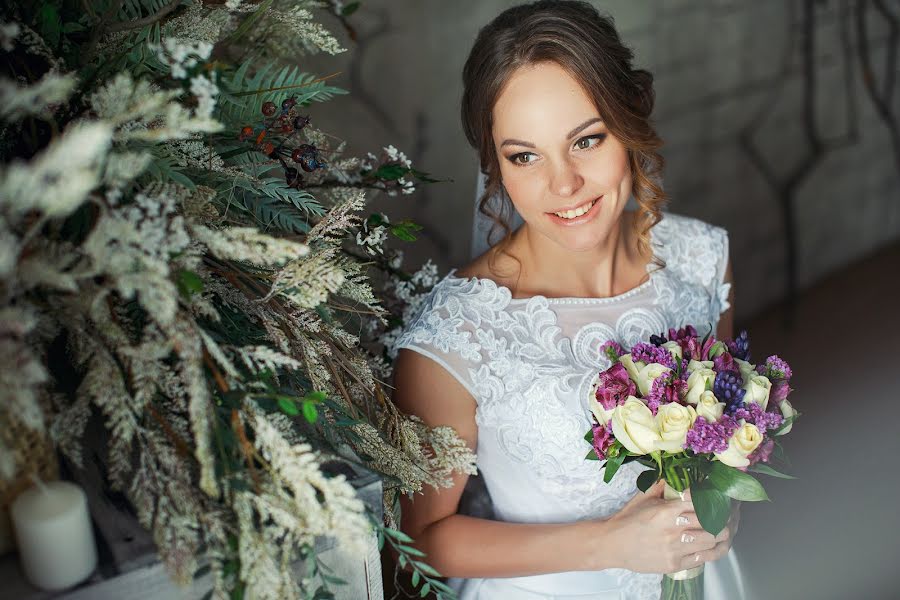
183	258
700	415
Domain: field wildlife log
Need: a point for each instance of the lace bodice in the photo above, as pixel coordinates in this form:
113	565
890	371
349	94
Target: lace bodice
529	364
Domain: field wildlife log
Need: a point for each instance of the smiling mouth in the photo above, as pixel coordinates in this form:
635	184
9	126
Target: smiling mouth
577	211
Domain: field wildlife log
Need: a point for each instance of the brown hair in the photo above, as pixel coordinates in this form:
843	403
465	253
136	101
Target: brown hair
575	36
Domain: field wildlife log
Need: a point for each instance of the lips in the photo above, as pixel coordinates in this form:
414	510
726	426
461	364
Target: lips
580	214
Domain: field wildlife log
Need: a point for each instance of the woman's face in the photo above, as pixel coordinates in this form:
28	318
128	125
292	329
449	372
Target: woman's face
566	174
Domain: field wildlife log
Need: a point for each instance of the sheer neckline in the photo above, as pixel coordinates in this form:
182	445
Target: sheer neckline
570	299
484	281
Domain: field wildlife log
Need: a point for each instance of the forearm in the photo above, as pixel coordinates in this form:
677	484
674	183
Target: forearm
463	546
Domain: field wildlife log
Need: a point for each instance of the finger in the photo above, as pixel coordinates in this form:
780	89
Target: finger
687	519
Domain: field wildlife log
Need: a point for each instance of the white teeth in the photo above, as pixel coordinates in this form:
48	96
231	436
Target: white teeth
576	212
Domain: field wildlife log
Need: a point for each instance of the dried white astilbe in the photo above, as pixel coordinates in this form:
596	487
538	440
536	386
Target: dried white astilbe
133	245
339	513
181	54
196	154
258	546
58	180
140	110
8	34
306	283
247	244
124	167
22	377
261	358
39	98
190	351
299	22
341	218
197	23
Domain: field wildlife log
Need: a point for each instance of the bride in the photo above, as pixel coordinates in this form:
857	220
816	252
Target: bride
505	349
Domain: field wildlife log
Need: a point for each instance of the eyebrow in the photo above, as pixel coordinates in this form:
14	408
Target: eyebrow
570	135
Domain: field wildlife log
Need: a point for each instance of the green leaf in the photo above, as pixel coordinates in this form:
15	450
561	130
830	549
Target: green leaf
646	480
72	27
411	550
402	561
402	232
189	283
735	484
415	578
50	25
390	172
767	470
310	413
591	455
427	569
612	465
589	437
398	535
713	508
316	397
288	406
349	9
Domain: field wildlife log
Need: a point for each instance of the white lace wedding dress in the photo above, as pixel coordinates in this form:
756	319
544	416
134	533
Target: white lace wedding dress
529	364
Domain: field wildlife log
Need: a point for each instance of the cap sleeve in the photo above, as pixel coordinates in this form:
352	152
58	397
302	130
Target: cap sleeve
440	333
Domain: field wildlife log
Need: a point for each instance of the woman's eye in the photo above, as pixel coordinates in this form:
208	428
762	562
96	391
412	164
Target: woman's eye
589	141
522	158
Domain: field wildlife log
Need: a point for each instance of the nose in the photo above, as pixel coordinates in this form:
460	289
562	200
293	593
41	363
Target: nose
565	179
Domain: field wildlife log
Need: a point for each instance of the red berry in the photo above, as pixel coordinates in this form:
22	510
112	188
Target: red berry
268	148
297	155
301	122
247	131
269	108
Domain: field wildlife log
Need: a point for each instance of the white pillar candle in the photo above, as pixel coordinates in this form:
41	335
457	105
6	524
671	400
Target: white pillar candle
54	535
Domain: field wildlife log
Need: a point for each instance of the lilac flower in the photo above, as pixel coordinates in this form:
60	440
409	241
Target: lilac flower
612	349
740	346
776	369
728	388
648	353
754	413
706	437
603	439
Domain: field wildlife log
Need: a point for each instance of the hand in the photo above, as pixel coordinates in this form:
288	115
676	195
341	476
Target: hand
651	538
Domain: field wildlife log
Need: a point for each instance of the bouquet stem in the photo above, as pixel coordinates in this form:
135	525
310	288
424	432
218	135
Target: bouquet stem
686	584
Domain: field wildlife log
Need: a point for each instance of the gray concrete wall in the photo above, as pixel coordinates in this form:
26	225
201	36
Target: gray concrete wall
721	67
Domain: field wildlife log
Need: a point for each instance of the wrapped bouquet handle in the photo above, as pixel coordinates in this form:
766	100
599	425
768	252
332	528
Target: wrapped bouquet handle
687	583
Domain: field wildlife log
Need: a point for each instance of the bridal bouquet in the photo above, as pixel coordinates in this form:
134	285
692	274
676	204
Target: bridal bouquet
700	415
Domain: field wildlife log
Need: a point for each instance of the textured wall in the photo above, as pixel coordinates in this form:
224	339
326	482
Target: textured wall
723	69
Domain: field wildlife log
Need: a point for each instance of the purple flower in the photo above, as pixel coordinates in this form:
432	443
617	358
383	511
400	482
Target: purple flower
777	369
665	389
685	332
603	439
728	388
612	349
740	346
725	362
762	452
614	386
648	353
754	413
706	437
780	391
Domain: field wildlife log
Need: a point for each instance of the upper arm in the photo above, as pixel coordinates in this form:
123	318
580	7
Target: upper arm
426	389
725	329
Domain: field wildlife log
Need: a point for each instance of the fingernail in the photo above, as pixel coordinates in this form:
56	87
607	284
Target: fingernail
681	520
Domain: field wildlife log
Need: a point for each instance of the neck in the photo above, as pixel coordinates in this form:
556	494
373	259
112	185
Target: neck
603	271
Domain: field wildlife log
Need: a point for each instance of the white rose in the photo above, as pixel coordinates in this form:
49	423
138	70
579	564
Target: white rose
648	374
699	381
673	421
787	410
634	426
743	442
674	349
757	390
696	365
709	407
746	368
631	366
